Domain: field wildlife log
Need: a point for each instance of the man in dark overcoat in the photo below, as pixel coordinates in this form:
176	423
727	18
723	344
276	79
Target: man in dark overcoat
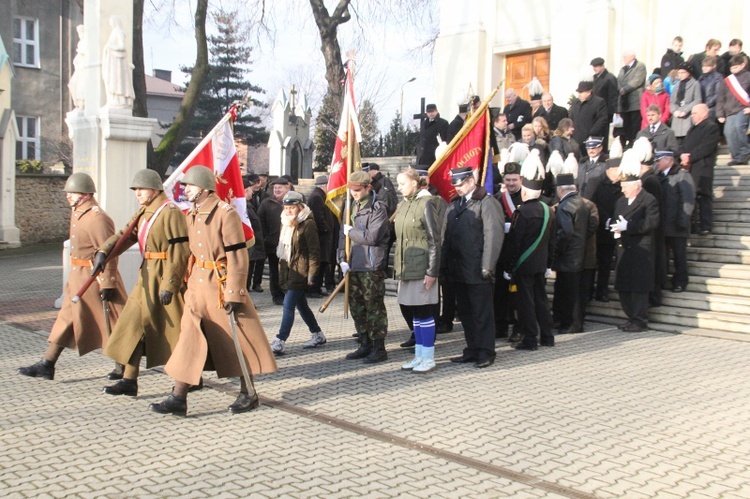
324	221
432	127
589	114
698	155
518	112
551	112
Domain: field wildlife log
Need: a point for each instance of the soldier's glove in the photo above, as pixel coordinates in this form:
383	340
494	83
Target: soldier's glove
106	294
347	229
487	275
231	306
547	273
99	258
506	276
165	297
344	268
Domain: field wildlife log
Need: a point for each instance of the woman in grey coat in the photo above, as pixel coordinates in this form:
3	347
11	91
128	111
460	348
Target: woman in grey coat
685	94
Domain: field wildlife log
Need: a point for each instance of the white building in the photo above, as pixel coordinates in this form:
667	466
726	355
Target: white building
483	42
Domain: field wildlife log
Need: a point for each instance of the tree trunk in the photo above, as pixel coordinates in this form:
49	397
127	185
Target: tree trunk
328	28
179	128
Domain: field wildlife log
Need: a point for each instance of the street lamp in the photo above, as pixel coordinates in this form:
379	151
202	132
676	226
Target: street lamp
401	113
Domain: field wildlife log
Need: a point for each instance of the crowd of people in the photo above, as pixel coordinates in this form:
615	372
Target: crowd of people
566	203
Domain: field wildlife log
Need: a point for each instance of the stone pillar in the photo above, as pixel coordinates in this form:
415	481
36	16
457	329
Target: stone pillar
290	133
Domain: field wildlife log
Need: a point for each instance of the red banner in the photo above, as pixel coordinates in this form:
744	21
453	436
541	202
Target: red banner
468	148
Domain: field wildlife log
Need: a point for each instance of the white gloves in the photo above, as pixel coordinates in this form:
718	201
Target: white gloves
344	268
507	227
620	225
547	273
506	276
347	229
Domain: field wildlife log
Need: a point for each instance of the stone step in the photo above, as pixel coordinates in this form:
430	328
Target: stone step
678	317
723	170
730	228
719	270
718	286
732	193
731	180
718	255
728	213
720	241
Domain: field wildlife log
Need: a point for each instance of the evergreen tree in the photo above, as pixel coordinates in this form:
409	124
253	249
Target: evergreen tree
400	140
229	64
326	128
368	124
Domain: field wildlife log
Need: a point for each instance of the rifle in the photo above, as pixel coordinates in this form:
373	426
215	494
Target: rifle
124	237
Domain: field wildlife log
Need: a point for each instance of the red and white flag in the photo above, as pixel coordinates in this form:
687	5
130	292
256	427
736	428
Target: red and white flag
217	152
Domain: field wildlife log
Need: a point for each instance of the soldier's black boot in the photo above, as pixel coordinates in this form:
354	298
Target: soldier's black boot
410	342
44	369
378	353
365	347
128	387
245	403
171	405
116	372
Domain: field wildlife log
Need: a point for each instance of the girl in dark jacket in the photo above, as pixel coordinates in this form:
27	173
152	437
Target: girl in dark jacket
299	257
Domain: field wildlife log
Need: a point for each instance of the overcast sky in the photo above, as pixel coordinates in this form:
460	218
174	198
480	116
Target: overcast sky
387	56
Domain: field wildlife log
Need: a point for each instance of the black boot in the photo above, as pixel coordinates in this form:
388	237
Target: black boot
245	403
42	369
195	388
125	386
365	347
409	343
171	405
117	372
378	353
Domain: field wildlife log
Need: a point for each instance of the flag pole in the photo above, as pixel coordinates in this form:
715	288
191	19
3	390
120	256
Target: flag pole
349	158
468	124
486	147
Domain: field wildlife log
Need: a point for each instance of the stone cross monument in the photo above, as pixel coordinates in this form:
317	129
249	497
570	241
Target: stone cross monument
291	148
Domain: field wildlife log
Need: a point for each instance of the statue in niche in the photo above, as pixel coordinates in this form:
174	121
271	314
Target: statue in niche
117	72
77	85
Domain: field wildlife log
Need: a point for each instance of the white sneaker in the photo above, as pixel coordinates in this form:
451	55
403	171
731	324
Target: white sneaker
277	346
425	366
318	339
412	364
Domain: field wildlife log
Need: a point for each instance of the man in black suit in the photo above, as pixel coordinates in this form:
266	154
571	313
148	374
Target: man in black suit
589	114
698	155
605	86
661	136
455	126
518	112
432	127
551	111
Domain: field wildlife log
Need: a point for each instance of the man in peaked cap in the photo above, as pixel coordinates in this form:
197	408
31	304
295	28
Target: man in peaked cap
529	251
589	113
605	86
592	167
635	218
432	127
471	247
369	233
455	126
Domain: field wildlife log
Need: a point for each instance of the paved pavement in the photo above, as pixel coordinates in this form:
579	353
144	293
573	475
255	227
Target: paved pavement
603	414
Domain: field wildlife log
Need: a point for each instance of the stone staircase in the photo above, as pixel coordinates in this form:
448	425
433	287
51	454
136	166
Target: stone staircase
717	300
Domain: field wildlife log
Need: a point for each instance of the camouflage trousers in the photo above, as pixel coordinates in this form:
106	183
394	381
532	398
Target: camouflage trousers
366	295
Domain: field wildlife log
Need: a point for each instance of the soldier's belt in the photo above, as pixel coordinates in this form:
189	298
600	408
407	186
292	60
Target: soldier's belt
206	264
153	255
80	263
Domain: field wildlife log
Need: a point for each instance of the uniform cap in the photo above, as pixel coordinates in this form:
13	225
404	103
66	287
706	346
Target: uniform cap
459	175
512	168
359	179
593	142
630	167
423	172
293	197
565	179
663	154
532	172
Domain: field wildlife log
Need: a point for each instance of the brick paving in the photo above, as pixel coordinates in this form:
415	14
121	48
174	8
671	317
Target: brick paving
603	414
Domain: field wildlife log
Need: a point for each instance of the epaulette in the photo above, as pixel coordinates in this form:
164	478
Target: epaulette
226	207
173	206
96	209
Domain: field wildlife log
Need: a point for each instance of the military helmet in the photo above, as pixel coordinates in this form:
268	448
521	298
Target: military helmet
201	176
147	179
80	182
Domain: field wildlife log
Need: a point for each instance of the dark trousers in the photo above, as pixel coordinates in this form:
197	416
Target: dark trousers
255	273
631	125
635	306
449	303
273	272
533	309
505	306
604	254
660	267
584	295
477	317
704	211
678	247
565	300
325	273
